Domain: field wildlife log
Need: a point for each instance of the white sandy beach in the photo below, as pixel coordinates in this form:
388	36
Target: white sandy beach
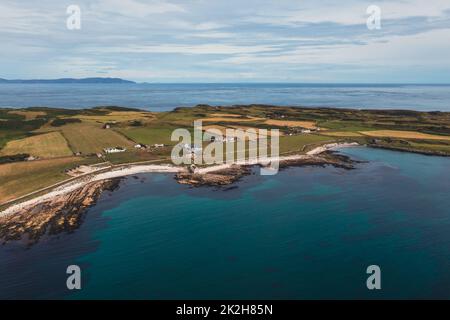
71	186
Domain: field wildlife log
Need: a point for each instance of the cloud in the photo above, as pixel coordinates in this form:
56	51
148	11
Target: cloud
255	40
200	49
134	8
346	12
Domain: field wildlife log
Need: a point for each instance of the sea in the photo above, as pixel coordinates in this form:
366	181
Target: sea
304	233
164	97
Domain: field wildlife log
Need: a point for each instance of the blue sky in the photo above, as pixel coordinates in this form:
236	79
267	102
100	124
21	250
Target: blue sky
228	41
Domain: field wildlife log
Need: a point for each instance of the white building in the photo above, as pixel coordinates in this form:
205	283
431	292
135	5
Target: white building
115	150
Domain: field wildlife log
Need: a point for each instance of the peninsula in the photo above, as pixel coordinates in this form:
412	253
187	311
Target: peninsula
69	80
55	163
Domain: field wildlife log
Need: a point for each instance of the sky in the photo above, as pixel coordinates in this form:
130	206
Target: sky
228	41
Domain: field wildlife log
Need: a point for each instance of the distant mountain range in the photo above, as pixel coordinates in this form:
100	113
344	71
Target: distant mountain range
69	80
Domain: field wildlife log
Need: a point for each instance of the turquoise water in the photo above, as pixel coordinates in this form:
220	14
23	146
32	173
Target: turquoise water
304	233
163	97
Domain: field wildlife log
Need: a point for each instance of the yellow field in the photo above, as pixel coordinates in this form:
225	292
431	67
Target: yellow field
91	138
270	133
47	145
225	115
233	127
289	123
230	119
118	116
342	134
29	115
404	134
217	127
20	178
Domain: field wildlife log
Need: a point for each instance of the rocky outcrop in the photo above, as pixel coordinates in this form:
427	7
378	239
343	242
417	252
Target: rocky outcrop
216	178
325	158
65	212
62	214
232	174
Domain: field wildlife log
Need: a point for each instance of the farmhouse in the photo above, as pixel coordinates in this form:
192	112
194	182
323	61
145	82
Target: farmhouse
115	150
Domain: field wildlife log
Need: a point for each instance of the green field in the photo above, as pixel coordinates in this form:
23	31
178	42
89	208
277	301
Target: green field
90	138
46	145
298	143
20	178
150	135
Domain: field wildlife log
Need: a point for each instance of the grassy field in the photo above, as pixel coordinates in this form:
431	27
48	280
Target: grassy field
428	146
233	115
29	115
47	145
10	135
14	126
90	138
231	119
44	132
288	123
149	135
341	134
118	116
20	178
137	156
297	143
339	125
404	135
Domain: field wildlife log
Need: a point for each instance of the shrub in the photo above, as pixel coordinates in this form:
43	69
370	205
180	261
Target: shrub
60	122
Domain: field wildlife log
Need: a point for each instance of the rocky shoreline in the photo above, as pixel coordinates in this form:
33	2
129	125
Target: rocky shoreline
61	214
410	150
232	174
65	212
217	178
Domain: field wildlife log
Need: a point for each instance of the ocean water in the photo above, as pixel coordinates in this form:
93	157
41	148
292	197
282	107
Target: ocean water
307	232
163	97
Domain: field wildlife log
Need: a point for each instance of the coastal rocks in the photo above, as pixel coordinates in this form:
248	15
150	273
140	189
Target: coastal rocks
233	173
217	178
62	214
325	158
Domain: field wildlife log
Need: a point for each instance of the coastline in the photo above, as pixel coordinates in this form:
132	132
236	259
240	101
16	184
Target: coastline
63	208
75	185
130	169
409	150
